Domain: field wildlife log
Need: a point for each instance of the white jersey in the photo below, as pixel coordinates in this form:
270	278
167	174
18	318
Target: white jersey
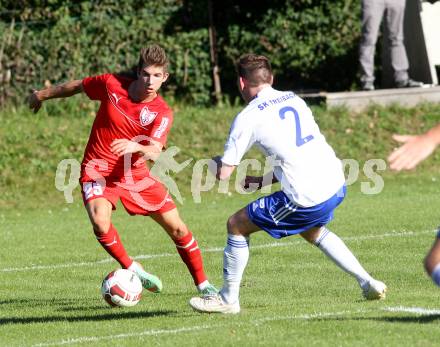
282	126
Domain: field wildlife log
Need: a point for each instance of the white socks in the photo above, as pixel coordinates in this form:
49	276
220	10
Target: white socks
334	248
235	258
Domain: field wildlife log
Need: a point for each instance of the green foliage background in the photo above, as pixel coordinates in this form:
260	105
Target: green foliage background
32	146
311	43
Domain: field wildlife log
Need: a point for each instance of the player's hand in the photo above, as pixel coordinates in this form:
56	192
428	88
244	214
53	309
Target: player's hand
121	147
415	149
252	183
34	101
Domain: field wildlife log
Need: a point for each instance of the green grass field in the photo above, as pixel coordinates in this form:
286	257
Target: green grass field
51	269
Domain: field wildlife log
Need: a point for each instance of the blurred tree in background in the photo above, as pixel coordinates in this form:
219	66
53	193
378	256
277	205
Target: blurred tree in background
311	43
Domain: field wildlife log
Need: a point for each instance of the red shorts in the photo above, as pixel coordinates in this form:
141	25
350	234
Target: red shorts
136	199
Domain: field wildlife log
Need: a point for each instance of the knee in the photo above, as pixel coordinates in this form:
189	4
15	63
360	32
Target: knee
311	235
309	238
178	231
240	224
433	257
429	264
100	224
425	264
232	225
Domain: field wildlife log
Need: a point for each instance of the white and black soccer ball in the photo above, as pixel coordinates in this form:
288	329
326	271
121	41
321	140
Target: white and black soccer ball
121	288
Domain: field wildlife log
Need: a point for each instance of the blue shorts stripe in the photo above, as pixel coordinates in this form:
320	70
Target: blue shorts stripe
285	214
283	210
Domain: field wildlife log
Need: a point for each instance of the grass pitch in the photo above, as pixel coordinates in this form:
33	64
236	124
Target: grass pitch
51	269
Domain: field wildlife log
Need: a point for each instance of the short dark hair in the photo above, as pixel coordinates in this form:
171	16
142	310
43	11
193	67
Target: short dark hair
153	55
255	69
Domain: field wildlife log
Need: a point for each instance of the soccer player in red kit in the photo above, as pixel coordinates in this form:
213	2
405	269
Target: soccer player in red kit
131	125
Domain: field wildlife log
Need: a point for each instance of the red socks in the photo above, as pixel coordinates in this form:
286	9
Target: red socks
190	253
186	246
112	244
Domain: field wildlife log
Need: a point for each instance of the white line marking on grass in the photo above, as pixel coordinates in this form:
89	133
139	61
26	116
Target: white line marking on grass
416	310
210	250
308	316
347	238
86	339
256	322
90	263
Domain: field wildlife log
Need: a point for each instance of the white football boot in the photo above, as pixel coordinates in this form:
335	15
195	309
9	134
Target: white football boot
374	290
213	304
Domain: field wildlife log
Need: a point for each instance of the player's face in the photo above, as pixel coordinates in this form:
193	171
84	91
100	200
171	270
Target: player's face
152	77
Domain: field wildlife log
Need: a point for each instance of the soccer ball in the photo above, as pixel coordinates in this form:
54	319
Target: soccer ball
121	288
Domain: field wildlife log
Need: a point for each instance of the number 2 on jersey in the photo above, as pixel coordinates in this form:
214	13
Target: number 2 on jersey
299	139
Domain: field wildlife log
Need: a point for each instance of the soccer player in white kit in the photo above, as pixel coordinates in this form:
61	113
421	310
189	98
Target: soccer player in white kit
311	177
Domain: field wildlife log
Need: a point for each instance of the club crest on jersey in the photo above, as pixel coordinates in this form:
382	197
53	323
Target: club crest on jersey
146	116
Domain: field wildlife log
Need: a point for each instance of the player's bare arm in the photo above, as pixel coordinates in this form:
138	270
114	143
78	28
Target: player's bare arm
63	90
415	149
221	170
121	147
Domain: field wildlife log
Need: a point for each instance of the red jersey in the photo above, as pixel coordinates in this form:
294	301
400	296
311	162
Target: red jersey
119	117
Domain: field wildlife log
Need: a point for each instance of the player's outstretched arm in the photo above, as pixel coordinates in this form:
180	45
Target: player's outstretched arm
415	149
64	90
